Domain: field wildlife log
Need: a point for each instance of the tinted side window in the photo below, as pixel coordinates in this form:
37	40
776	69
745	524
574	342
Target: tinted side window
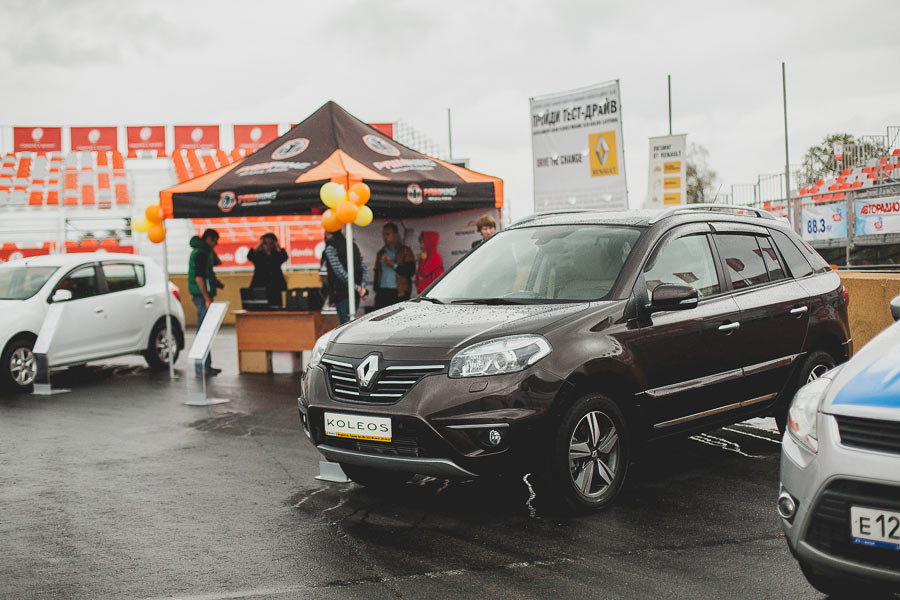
81	282
120	277
685	261
795	260
770	257
743	259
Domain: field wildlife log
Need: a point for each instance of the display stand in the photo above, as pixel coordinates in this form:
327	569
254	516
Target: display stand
201	347
41	351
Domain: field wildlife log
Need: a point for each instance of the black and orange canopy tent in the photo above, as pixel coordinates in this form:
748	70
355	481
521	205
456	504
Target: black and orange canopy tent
285	176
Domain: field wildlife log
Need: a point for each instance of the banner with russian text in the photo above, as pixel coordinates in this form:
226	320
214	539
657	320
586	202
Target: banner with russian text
666	182
254	137
37	139
824	222
877	216
94	139
196	137
577	147
146	137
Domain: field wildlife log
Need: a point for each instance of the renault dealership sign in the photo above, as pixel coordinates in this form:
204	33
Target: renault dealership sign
666	182
576	140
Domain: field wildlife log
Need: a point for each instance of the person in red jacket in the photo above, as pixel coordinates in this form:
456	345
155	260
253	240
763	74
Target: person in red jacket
430	264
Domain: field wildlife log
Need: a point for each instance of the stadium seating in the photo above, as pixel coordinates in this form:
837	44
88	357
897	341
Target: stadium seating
875	172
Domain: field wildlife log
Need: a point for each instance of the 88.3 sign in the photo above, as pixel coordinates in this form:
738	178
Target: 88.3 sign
824	222
816	226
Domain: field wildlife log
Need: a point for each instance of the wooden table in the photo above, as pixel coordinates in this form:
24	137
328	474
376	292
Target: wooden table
259	333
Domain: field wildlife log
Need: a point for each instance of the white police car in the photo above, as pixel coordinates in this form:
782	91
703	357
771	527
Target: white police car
840	473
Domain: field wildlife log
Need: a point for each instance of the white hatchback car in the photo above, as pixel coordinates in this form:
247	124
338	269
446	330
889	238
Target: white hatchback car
115	304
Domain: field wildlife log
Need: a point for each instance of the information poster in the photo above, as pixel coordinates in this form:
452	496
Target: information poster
666	181
215	314
824	222
877	216
577	146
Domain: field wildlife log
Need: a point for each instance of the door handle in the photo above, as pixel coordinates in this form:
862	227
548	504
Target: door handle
729	327
98	310
148	302
799	310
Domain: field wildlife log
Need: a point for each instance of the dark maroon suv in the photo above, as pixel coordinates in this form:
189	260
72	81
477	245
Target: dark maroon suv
568	340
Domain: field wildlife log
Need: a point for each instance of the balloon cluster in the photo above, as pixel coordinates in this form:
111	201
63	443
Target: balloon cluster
344	207
151	223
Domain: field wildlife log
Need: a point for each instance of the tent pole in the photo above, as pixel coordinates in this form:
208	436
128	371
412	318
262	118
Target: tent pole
351	276
168	297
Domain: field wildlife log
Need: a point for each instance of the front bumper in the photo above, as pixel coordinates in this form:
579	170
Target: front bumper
440	426
824	486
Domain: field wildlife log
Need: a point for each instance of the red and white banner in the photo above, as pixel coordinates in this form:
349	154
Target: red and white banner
385	128
146	138
37	139
20	253
94	139
196	137
301	253
254	137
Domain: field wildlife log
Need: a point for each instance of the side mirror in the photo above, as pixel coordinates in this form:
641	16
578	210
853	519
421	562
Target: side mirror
61	296
670	296
895	308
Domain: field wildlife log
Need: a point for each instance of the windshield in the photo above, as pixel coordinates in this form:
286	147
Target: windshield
21	283
560	263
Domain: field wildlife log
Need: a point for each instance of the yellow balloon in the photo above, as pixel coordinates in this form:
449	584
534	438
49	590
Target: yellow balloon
156	233
332	194
346	211
140	225
364	217
359	193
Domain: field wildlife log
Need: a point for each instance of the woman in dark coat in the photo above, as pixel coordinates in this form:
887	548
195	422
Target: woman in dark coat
267	259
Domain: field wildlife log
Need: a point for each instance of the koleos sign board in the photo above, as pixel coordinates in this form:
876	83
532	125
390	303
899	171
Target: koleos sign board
576	141
665	186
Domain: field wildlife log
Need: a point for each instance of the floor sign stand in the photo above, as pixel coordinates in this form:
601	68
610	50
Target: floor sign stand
41	351
201	347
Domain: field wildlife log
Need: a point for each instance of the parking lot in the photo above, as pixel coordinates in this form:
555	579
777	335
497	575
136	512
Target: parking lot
118	489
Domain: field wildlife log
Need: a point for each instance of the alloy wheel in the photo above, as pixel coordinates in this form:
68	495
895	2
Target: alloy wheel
594	454
817	371
162	346
22	366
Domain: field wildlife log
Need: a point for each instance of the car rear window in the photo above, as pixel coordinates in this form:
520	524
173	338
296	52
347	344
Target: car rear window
794	258
122	276
743	259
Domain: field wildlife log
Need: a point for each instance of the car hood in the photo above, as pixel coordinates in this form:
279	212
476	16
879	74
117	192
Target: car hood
423	325
869	385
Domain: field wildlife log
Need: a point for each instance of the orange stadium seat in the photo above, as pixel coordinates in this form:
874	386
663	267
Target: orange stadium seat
109	243
103	181
118	161
235	155
222	157
87	195
194	162
209	163
36	198
53	198
122	196
102	160
90	243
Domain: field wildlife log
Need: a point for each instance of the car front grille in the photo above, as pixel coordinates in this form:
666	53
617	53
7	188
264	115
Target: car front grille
870	434
390	384
829	528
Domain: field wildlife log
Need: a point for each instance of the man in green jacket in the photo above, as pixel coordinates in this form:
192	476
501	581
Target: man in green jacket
202	282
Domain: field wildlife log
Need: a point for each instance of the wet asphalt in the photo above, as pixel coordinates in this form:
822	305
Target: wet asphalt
118	489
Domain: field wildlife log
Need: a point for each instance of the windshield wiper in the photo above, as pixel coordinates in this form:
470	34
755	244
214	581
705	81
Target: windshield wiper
488	301
430	299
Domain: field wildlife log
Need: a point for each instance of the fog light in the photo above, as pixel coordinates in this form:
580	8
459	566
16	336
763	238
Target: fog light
787	506
494	437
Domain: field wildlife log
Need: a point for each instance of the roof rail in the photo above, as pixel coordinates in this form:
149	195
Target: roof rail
563	211
665	214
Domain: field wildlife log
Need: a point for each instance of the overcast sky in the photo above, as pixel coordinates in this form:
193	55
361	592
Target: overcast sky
95	63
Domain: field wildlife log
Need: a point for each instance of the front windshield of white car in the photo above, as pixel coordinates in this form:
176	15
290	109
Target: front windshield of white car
21	283
558	263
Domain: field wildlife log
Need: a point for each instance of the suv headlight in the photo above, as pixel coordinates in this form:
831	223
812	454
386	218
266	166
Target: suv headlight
502	355
804	412
319	349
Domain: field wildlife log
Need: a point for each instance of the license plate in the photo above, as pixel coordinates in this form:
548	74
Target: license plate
358	427
878	528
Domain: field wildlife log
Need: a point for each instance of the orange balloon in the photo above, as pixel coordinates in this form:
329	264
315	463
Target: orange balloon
330	222
346	212
154	214
156	233
359	193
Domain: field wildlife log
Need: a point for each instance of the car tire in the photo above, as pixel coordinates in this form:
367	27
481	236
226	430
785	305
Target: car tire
18	365
156	352
815	365
590	455
377	479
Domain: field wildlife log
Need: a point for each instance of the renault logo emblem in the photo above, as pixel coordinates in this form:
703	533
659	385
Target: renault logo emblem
367	370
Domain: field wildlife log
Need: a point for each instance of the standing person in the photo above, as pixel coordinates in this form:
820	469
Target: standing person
486	226
394	267
267	259
430	264
335	259
202	283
